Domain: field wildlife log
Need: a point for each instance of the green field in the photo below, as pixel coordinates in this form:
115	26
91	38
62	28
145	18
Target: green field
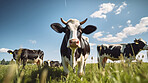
113	73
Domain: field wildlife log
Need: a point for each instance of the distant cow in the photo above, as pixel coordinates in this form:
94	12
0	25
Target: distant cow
55	64
75	48
113	51
47	63
52	63
25	55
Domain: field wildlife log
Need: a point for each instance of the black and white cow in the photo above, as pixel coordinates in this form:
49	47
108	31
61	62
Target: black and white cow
25	55
113	51
75	48
52	63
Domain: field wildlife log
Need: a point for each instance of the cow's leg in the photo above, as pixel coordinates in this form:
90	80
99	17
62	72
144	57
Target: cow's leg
104	62
84	66
24	63
80	66
65	66
39	63
100	61
74	71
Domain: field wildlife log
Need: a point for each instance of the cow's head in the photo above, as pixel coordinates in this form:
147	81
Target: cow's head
15	53
12	52
73	31
141	44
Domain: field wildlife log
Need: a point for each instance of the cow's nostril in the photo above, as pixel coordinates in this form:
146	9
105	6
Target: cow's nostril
70	41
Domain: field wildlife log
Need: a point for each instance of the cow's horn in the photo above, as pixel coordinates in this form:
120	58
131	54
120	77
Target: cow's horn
83	21
63	21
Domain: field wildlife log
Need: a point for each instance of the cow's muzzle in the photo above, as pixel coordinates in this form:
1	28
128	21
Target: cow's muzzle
74	43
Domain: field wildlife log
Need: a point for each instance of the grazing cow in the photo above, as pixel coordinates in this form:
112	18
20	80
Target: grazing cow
52	63
25	55
113	51
74	49
47	63
55	64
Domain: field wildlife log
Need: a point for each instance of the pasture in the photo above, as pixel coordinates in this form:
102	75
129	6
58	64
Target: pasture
113	73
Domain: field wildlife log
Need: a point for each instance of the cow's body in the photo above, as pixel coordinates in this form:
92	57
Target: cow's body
113	51
25	55
75	48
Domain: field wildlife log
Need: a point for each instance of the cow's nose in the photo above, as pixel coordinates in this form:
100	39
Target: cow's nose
74	43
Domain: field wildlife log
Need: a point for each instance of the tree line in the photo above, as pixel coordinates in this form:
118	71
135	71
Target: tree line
3	62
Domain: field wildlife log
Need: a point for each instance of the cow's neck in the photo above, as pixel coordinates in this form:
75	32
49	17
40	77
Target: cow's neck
135	48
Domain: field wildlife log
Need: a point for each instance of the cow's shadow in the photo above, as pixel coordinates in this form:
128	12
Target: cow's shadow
52	74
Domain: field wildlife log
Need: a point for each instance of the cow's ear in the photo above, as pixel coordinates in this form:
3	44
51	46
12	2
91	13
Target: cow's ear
136	41
89	29
10	52
57	27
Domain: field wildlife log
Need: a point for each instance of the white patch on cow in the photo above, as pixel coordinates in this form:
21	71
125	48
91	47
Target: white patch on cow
38	61
73	26
65	62
48	63
80	65
86	56
123	46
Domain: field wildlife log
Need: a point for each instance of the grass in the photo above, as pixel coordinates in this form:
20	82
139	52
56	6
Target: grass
113	73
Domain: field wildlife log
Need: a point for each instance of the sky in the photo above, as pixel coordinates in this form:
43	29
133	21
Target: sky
26	24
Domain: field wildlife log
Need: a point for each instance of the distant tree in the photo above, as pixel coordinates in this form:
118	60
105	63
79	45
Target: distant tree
3	62
12	61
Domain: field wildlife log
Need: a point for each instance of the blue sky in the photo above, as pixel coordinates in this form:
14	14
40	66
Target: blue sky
26	23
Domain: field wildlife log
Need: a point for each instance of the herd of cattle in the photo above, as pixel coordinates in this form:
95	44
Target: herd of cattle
75	48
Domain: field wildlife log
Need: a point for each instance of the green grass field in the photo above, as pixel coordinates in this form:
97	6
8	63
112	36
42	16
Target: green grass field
113	73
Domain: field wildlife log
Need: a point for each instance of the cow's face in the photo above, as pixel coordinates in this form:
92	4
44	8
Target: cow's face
73	31
141	44
14	53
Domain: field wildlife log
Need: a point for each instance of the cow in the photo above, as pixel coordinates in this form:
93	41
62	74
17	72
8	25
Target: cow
25	55
55	64
74	48
52	63
47	63
113	51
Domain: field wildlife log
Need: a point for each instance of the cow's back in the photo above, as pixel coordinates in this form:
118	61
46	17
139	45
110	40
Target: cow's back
109	50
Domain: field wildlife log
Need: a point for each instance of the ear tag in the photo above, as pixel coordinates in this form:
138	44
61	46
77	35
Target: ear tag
10	52
136	42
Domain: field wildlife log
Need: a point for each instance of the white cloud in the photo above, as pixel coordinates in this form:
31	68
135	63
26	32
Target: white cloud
104	9
4	50
110	38
129	21
33	41
120	26
118	11
113	27
128	31
98	34
128	12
